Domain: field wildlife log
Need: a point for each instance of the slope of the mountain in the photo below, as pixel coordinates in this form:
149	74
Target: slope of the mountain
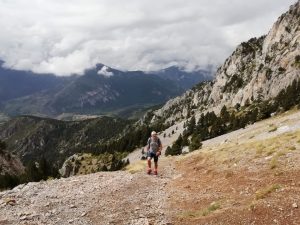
183	78
250	176
257	70
99	90
33	138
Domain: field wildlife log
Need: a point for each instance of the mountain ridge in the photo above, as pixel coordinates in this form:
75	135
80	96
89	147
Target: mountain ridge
101	90
257	70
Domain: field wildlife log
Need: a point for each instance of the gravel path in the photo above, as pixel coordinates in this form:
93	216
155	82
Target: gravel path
100	198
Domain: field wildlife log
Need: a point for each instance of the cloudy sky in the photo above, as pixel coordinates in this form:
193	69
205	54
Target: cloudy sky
66	37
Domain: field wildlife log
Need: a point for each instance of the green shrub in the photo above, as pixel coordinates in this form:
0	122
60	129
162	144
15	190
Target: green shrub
281	70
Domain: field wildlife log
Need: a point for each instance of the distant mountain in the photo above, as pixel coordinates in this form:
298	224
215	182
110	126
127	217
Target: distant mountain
183	78
15	83
100	90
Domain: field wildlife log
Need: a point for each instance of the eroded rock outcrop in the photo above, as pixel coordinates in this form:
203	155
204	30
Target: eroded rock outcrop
257	69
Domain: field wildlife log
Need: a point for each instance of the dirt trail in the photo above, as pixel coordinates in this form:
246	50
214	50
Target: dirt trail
100	198
143	200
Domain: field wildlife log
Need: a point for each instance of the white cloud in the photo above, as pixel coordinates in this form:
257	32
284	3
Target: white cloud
105	72
66	37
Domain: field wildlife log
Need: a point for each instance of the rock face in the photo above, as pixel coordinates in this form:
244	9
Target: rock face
257	69
86	163
10	164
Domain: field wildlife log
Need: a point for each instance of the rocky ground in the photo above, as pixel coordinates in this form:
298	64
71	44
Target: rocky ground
250	176
100	198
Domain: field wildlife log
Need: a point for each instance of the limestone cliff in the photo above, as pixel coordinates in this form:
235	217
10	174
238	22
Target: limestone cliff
257	70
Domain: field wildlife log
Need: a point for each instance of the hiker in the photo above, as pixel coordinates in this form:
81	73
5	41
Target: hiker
154	148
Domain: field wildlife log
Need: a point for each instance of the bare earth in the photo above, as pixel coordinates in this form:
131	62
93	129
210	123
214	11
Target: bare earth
250	176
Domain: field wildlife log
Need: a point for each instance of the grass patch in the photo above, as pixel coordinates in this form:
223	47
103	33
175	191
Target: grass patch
274	162
252	206
271	151
292	148
273	129
263	193
291	134
200	213
136	167
281	153
211	208
259	148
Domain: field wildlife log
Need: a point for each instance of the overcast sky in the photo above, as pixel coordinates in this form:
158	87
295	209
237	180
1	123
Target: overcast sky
67	36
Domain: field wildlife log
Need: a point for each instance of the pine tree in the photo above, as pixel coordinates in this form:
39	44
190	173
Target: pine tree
185	141
195	143
179	140
2	146
176	149
32	172
191	126
104	168
43	169
247	103
224	114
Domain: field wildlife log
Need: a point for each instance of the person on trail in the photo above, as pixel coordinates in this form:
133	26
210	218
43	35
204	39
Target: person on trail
154	148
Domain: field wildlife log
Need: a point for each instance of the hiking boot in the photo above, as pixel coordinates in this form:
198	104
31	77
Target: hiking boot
155	172
149	171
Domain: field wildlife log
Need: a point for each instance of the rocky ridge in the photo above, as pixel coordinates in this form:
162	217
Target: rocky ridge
257	70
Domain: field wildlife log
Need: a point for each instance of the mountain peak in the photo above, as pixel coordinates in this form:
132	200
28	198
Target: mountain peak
105	71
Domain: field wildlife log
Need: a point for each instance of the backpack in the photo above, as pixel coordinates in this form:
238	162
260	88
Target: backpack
154	144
